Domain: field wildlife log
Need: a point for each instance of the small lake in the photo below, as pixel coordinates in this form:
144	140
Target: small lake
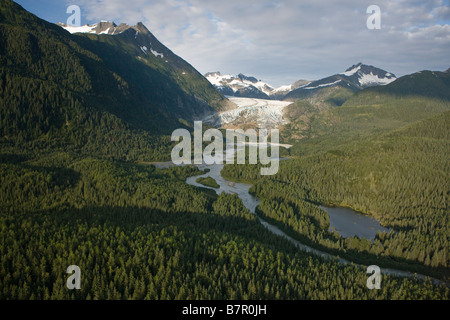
348	223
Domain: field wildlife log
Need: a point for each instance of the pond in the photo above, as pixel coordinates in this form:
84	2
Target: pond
348	222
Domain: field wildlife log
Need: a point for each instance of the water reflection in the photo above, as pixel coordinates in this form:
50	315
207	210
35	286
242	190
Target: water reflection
348	223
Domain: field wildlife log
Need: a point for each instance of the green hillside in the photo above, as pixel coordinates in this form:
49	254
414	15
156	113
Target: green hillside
384	153
372	110
138	232
99	94
81	115
399	177
431	84
329	96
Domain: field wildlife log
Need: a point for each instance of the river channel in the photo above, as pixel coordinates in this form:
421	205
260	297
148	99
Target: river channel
346	221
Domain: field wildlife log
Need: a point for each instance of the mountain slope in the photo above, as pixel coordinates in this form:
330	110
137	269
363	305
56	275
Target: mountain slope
432	84
384	153
166	72
138	41
93	91
398	175
281	92
355	78
377	109
240	85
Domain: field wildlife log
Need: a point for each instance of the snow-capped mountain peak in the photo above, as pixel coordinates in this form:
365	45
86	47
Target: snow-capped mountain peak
103	27
352	70
367	76
249	87
283	89
240	85
145	41
355	78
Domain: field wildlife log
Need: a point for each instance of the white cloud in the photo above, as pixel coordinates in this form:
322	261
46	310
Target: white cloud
285	40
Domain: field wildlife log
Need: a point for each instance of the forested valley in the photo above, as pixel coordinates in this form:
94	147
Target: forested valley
398	176
138	232
79	133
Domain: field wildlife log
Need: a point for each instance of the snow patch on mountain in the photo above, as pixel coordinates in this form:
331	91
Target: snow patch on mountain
355	78
102	27
367	76
83	29
156	53
263	86
144	49
323	85
105	32
371	79
216	78
352	71
281	89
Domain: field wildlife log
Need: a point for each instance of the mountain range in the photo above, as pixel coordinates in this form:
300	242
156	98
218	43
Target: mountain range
124	76
355	78
249	87
85	114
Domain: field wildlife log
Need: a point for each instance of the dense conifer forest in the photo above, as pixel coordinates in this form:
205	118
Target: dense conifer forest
78	133
138	232
398	176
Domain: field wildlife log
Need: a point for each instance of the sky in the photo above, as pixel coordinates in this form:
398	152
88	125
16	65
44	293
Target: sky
281	41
